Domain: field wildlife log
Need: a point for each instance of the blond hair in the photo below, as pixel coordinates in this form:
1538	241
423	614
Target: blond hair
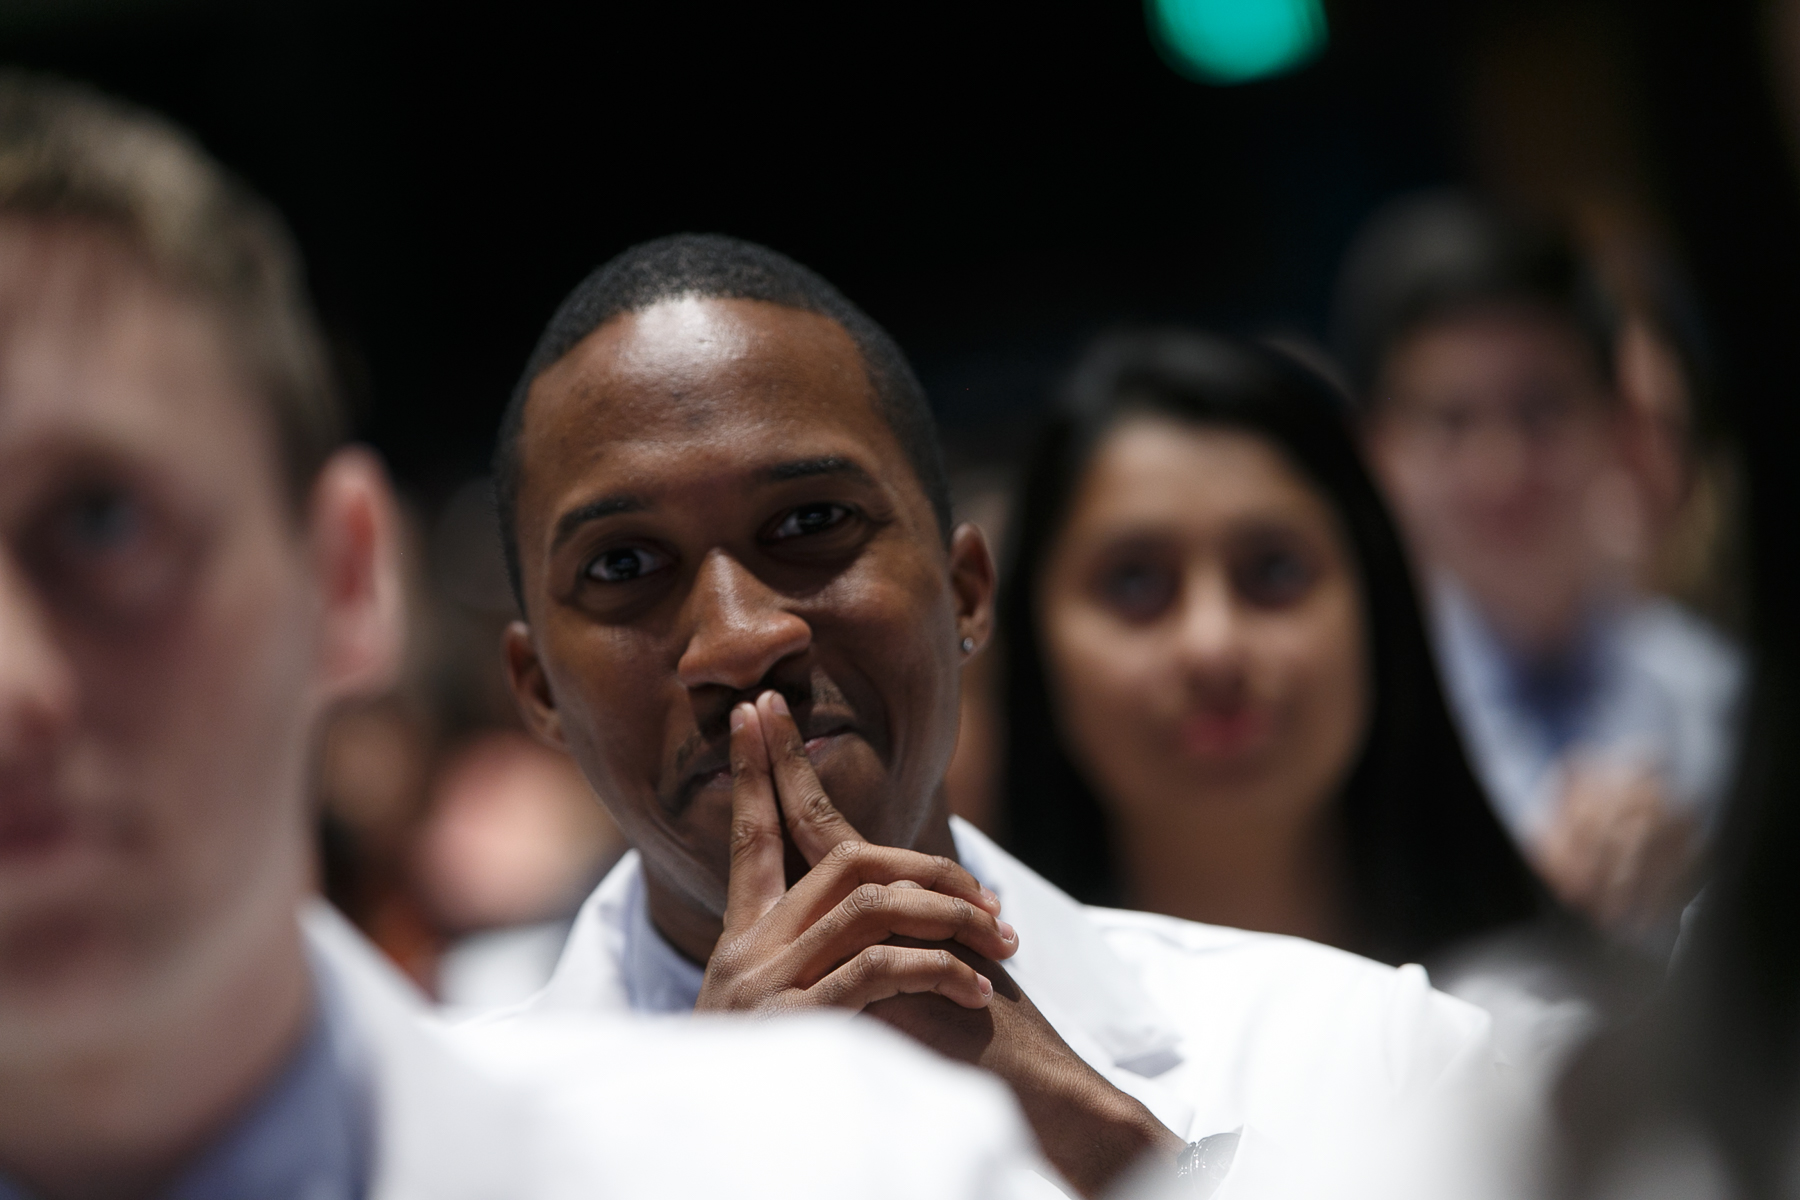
69	152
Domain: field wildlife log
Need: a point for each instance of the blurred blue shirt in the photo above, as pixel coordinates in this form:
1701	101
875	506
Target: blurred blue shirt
1646	684
307	1137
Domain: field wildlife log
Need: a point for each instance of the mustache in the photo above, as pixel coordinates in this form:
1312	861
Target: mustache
707	750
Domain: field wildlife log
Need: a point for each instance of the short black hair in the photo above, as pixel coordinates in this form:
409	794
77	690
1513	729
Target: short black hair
713	266
1431	867
1435	255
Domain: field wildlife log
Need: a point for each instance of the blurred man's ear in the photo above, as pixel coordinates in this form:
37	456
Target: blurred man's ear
531	690
354	536
972	581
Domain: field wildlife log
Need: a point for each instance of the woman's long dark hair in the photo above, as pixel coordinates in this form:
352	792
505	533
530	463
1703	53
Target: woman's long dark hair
1429	864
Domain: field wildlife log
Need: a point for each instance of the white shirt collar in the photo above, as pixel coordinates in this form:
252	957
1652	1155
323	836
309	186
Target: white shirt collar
658	978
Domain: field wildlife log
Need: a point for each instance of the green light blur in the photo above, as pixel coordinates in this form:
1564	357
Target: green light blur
1236	41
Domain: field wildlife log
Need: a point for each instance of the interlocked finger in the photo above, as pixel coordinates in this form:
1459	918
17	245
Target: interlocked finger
873	913
852	864
878	972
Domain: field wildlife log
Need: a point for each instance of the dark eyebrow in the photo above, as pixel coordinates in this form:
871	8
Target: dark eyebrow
575	518
800	468
806	468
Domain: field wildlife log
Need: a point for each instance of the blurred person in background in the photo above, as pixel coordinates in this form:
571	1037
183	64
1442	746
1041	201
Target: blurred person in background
1601	720
470	863
460	846
746	614
374	769
192	569
510	847
1699	1098
1224	696
1678	521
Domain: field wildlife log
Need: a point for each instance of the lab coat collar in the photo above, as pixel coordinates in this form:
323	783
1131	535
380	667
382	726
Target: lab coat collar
590	975
1064	963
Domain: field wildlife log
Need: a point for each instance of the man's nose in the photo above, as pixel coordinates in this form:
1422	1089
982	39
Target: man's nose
1498	460
739	627
37	683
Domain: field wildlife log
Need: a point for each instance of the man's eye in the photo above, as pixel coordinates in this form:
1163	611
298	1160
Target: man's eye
101	523
104	552
1274	577
625	564
809	518
1451	423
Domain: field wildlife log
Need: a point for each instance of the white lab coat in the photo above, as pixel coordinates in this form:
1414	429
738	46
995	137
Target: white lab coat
1306	1048
587	1106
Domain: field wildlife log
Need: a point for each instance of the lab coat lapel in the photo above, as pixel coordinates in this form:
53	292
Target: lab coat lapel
1088	993
1064	960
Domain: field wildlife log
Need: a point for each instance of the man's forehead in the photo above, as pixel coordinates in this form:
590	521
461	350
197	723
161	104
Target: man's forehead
691	352
106	360
713	379
1502	328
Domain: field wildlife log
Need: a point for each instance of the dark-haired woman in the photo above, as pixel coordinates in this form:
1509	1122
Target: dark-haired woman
1220	699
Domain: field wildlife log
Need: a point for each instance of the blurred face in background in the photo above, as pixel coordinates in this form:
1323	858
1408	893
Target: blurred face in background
159	623
1490	433
1203	631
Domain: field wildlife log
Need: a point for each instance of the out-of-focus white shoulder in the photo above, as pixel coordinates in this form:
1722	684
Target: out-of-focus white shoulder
816	1106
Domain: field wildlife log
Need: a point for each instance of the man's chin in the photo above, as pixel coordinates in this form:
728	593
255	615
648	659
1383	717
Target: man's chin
74	974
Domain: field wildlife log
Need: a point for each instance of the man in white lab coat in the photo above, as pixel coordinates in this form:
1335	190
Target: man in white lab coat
745	613
191	569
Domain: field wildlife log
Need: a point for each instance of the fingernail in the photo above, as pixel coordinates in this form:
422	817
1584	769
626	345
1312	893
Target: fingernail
988	895
1007	932
987	989
778	703
737	717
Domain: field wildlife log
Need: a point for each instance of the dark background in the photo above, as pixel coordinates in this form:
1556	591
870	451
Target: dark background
987	180
991	181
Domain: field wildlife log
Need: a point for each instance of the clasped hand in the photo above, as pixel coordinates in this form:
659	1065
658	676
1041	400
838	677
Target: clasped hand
878	928
826	941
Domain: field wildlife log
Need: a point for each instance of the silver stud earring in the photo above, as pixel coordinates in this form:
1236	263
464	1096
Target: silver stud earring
968	645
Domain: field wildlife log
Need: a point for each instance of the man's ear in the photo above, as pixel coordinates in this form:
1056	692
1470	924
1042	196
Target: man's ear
531	688
972	582
354	539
